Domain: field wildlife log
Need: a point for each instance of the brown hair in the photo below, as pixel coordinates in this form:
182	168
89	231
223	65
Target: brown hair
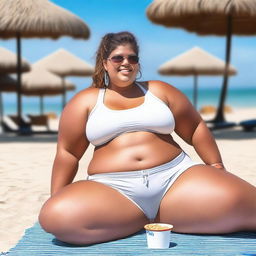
108	44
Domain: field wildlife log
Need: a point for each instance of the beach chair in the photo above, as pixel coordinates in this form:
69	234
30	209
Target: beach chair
11	123
40	123
248	125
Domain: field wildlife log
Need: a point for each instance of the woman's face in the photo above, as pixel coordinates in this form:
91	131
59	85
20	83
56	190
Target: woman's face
122	65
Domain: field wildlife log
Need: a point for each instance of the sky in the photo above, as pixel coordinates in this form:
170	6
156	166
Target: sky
158	44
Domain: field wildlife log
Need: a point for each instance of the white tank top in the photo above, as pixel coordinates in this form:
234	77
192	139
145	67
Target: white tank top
104	124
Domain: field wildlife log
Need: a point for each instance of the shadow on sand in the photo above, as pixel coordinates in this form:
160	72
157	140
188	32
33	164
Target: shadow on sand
236	133
33	138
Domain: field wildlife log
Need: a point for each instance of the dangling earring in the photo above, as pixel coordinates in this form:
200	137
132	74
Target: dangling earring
106	79
140	75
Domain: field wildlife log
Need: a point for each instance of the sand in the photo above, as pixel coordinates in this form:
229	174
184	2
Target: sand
25	170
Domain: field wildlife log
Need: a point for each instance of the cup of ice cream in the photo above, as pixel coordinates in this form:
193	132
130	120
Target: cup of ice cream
158	235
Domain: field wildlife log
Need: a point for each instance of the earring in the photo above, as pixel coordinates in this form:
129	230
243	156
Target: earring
106	79
140	75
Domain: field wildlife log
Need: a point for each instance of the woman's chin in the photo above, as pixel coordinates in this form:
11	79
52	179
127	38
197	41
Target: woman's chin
127	79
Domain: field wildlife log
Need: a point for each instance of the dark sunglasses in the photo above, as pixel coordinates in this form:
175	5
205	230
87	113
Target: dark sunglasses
132	59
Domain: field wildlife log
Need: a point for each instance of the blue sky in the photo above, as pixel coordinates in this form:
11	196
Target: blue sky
157	43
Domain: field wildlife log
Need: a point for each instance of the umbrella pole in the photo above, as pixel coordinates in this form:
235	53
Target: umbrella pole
220	111
18	45
195	91
41	105
1	112
63	93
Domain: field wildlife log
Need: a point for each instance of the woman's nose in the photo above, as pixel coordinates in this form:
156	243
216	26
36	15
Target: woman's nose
125	61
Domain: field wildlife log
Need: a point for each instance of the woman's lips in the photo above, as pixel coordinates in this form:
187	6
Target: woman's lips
125	70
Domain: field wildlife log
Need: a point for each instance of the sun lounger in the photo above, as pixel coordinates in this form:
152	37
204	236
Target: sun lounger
11	123
36	242
31	124
40	124
248	125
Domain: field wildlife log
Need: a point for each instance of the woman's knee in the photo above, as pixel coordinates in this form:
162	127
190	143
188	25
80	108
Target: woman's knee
51	216
57	216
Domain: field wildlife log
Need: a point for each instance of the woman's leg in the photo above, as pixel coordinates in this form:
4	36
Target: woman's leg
208	200
88	212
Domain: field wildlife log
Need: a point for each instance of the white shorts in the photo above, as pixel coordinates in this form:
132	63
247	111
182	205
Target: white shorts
146	188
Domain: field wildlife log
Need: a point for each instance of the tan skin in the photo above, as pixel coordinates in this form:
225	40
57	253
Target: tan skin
203	199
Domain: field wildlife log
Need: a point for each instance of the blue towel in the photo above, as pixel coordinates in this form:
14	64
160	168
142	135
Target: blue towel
36	242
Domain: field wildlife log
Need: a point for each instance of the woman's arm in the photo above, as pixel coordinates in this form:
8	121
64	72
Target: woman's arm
190	126
72	142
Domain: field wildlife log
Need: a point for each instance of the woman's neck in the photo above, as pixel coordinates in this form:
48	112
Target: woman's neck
122	88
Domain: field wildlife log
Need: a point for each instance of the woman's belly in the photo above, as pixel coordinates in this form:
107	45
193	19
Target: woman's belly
133	151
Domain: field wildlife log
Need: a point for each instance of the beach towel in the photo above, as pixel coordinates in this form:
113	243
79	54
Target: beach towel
36	242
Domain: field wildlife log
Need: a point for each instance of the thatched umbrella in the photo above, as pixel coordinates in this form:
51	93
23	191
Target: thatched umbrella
206	17
40	82
195	62
8	62
40	18
64	63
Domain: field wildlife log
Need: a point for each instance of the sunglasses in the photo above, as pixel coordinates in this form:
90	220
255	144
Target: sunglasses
118	59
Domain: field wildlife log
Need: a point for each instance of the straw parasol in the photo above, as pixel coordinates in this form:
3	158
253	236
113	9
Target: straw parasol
64	63
8	62
40	18
195	62
40	82
206	17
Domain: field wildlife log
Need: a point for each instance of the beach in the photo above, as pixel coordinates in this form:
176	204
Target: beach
26	162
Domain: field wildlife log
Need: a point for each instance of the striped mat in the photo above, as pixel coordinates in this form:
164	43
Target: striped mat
36	242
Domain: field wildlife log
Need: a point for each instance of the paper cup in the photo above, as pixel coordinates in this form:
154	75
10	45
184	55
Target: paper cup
158	235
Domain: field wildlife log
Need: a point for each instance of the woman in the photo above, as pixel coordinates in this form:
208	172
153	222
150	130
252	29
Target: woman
138	173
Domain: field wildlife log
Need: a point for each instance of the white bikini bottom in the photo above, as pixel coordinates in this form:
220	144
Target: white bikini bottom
146	188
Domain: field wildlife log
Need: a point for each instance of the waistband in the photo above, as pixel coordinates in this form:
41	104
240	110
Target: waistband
174	162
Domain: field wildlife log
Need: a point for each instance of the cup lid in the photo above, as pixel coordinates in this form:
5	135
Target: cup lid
158	227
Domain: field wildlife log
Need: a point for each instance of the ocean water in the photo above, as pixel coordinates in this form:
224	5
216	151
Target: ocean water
237	97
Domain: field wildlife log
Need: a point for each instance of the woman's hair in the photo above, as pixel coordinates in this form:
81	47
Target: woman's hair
108	44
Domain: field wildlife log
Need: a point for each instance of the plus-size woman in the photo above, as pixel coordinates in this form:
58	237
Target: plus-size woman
138	173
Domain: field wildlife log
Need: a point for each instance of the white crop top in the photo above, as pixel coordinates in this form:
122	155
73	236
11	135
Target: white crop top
104	124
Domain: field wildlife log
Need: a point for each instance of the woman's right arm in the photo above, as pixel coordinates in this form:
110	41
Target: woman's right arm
72	142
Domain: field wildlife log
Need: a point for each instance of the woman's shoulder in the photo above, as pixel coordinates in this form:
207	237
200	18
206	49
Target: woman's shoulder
86	95
82	102
161	89
161	85
158	85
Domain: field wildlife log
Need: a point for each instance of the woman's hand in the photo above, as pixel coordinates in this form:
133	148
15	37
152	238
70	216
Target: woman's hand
218	165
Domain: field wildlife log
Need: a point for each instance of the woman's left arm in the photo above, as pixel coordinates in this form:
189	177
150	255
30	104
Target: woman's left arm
191	128
205	145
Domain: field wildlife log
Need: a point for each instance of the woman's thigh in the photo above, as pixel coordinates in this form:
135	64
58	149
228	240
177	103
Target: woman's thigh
89	212
209	200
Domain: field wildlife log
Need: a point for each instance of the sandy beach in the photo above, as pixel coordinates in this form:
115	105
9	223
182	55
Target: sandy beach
25	170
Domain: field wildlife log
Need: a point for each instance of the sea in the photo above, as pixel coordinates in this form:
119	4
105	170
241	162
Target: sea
236	98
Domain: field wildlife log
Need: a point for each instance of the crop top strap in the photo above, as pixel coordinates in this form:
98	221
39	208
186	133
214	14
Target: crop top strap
141	87
101	96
